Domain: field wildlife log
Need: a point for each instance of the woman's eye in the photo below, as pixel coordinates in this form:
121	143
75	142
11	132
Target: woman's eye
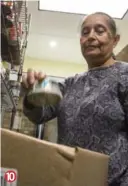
96	30
100	30
85	32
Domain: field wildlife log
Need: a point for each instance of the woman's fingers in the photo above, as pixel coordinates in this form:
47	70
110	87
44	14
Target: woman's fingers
30	77
24	81
41	76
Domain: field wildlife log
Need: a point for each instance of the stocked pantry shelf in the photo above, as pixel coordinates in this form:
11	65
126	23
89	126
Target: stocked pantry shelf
8	102
14	32
15	22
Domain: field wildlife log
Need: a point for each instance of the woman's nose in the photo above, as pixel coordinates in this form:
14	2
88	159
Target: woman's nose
91	35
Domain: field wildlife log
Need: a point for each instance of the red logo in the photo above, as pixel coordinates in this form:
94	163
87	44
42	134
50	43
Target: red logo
10	176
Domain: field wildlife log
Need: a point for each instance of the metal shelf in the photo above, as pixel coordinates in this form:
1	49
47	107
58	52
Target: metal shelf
17	45
15	51
7	98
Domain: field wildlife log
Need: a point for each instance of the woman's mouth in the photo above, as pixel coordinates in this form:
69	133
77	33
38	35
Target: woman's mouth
91	47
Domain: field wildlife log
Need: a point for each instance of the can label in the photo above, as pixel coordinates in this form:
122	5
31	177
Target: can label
42	84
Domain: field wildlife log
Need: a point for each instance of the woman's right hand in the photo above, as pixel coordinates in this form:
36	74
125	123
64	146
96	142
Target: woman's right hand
29	80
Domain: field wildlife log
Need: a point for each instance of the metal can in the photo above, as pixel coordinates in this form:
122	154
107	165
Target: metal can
44	93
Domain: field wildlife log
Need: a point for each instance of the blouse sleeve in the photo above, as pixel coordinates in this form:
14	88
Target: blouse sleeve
124	95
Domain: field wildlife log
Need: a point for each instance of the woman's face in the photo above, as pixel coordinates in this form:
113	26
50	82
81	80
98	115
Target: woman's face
97	40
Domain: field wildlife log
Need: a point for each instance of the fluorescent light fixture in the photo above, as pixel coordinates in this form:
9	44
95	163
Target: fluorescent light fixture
115	8
53	44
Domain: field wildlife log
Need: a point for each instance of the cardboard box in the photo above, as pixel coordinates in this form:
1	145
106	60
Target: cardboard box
41	163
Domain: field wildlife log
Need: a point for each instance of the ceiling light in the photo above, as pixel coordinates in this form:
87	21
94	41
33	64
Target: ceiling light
114	8
53	44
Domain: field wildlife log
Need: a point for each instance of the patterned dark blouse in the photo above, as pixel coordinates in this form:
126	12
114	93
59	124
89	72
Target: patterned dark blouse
94	115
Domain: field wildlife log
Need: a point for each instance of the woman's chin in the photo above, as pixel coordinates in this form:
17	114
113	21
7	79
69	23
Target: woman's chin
91	54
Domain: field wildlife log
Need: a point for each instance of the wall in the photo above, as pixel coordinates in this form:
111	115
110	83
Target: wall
61	69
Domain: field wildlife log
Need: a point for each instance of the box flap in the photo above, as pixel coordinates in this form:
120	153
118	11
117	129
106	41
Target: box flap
89	169
43	163
38	162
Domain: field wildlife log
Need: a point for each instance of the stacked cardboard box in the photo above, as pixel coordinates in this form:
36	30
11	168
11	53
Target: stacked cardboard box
41	163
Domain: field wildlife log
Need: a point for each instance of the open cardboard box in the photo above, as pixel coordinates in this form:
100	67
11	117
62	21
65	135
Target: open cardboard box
41	163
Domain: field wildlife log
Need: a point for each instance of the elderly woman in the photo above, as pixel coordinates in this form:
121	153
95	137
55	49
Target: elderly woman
93	113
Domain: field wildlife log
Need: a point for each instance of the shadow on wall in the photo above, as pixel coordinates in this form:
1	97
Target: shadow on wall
123	55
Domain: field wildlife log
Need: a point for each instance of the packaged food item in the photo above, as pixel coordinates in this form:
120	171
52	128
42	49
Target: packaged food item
46	92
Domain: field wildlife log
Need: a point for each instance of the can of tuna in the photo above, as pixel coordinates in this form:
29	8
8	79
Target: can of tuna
44	93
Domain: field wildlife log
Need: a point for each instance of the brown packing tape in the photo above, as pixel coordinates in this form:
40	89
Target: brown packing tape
41	163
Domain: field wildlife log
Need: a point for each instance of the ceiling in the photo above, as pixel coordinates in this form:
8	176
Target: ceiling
64	30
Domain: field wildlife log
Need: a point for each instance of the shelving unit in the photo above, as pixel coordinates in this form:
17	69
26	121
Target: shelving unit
7	94
15	22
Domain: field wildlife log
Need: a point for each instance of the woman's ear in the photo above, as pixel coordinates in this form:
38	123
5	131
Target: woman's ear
80	40
116	40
